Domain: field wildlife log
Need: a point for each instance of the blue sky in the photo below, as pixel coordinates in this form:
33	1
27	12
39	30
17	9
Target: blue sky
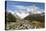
12	4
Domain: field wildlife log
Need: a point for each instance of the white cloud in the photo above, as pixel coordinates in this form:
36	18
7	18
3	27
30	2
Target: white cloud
22	7
36	10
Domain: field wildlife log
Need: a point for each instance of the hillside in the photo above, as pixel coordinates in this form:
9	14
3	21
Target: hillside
36	17
30	22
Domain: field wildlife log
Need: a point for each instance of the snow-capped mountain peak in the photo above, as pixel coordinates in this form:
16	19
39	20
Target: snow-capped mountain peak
22	13
10	12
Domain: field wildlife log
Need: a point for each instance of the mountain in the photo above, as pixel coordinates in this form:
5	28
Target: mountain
10	17
28	14
35	17
22	13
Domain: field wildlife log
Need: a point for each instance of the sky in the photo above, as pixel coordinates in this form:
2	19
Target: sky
13	5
